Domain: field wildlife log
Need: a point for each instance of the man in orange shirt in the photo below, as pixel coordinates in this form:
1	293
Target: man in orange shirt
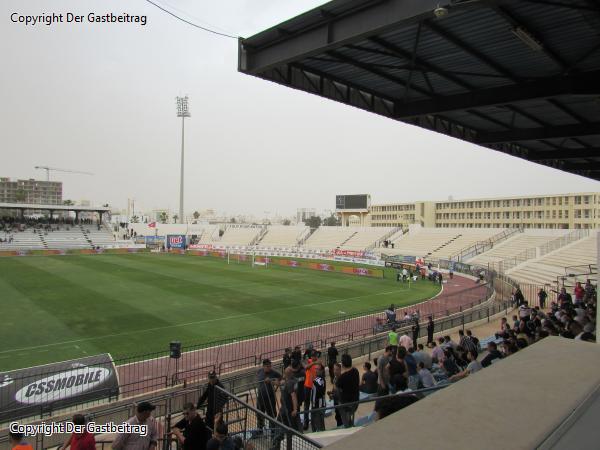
17	443
312	367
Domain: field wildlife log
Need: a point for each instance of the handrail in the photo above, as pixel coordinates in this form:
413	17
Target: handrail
484	245
562	241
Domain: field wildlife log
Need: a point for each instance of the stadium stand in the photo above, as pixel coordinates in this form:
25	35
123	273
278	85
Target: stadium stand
236	235
365	238
546	269
329	237
510	247
439	242
283	236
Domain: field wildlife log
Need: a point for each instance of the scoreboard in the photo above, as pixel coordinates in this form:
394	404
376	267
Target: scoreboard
362	201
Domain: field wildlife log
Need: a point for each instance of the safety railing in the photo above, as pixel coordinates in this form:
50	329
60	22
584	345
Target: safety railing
569	238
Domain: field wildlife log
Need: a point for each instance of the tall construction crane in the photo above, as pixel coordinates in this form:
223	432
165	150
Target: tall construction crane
48	169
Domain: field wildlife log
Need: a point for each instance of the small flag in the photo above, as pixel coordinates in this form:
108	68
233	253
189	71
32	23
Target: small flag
152	225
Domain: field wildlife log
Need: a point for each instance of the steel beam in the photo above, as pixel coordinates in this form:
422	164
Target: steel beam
574	84
532	134
565	154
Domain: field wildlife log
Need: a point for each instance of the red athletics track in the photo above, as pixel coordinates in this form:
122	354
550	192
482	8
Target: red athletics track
144	376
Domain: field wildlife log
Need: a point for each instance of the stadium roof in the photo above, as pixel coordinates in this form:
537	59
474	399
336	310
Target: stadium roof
517	76
53	207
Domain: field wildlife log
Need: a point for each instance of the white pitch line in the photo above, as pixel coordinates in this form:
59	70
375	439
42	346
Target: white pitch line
238	316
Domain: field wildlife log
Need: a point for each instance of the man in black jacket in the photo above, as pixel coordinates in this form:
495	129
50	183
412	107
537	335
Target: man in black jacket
216	399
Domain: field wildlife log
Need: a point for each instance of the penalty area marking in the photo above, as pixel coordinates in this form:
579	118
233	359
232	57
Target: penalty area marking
238	316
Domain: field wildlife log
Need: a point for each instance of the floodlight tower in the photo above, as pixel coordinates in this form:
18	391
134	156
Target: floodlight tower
183	112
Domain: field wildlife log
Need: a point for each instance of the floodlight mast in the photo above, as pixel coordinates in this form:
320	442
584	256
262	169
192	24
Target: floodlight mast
183	112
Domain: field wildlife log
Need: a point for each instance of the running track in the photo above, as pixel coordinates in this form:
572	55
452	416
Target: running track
149	375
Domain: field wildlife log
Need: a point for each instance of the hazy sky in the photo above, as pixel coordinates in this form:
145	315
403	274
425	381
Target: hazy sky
101	98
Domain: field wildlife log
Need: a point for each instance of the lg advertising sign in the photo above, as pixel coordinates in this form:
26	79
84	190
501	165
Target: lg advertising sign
26	392
176	241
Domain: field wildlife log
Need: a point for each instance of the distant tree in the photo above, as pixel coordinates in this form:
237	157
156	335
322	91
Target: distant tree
175	217
68	202
135	219
332	221
163	217
286	222
105	205
232	220
196	215
20	195
313	222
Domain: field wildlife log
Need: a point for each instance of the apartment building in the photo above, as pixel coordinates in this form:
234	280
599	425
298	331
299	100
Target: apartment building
560	211
30	191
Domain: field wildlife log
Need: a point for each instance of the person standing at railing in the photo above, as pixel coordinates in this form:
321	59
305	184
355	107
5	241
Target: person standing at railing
542	296
347	387
265	399
578	292
135	441
80	441
215	400
191	431
430	329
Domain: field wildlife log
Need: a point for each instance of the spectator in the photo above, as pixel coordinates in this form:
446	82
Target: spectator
472	367
492	355
411	367
334	393
422	356
467	343
579	292
317	418
397	370
425	376
79	441
430	329
309	375
473	338
215	400
332	355
191	431
405	341
416	328
368	384
437	352
17	441
221	439
287	358
135	441
393	340
449	364
383	374
288	412
265	400
564	299
347	385
542	296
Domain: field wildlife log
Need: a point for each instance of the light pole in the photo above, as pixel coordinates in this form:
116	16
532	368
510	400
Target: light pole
183	112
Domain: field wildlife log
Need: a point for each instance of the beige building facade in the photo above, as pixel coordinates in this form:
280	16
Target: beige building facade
560	211
30	191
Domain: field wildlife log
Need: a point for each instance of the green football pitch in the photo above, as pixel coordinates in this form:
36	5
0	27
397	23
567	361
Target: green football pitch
62	307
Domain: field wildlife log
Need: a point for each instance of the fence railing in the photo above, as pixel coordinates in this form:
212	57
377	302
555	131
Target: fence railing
510	263
557	243
483	246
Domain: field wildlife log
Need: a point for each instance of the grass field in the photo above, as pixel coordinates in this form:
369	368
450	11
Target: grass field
62	307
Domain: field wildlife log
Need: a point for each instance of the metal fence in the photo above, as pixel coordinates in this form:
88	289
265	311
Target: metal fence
248	424
563	240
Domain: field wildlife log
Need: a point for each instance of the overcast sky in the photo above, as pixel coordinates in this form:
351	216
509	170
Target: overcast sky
101	98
